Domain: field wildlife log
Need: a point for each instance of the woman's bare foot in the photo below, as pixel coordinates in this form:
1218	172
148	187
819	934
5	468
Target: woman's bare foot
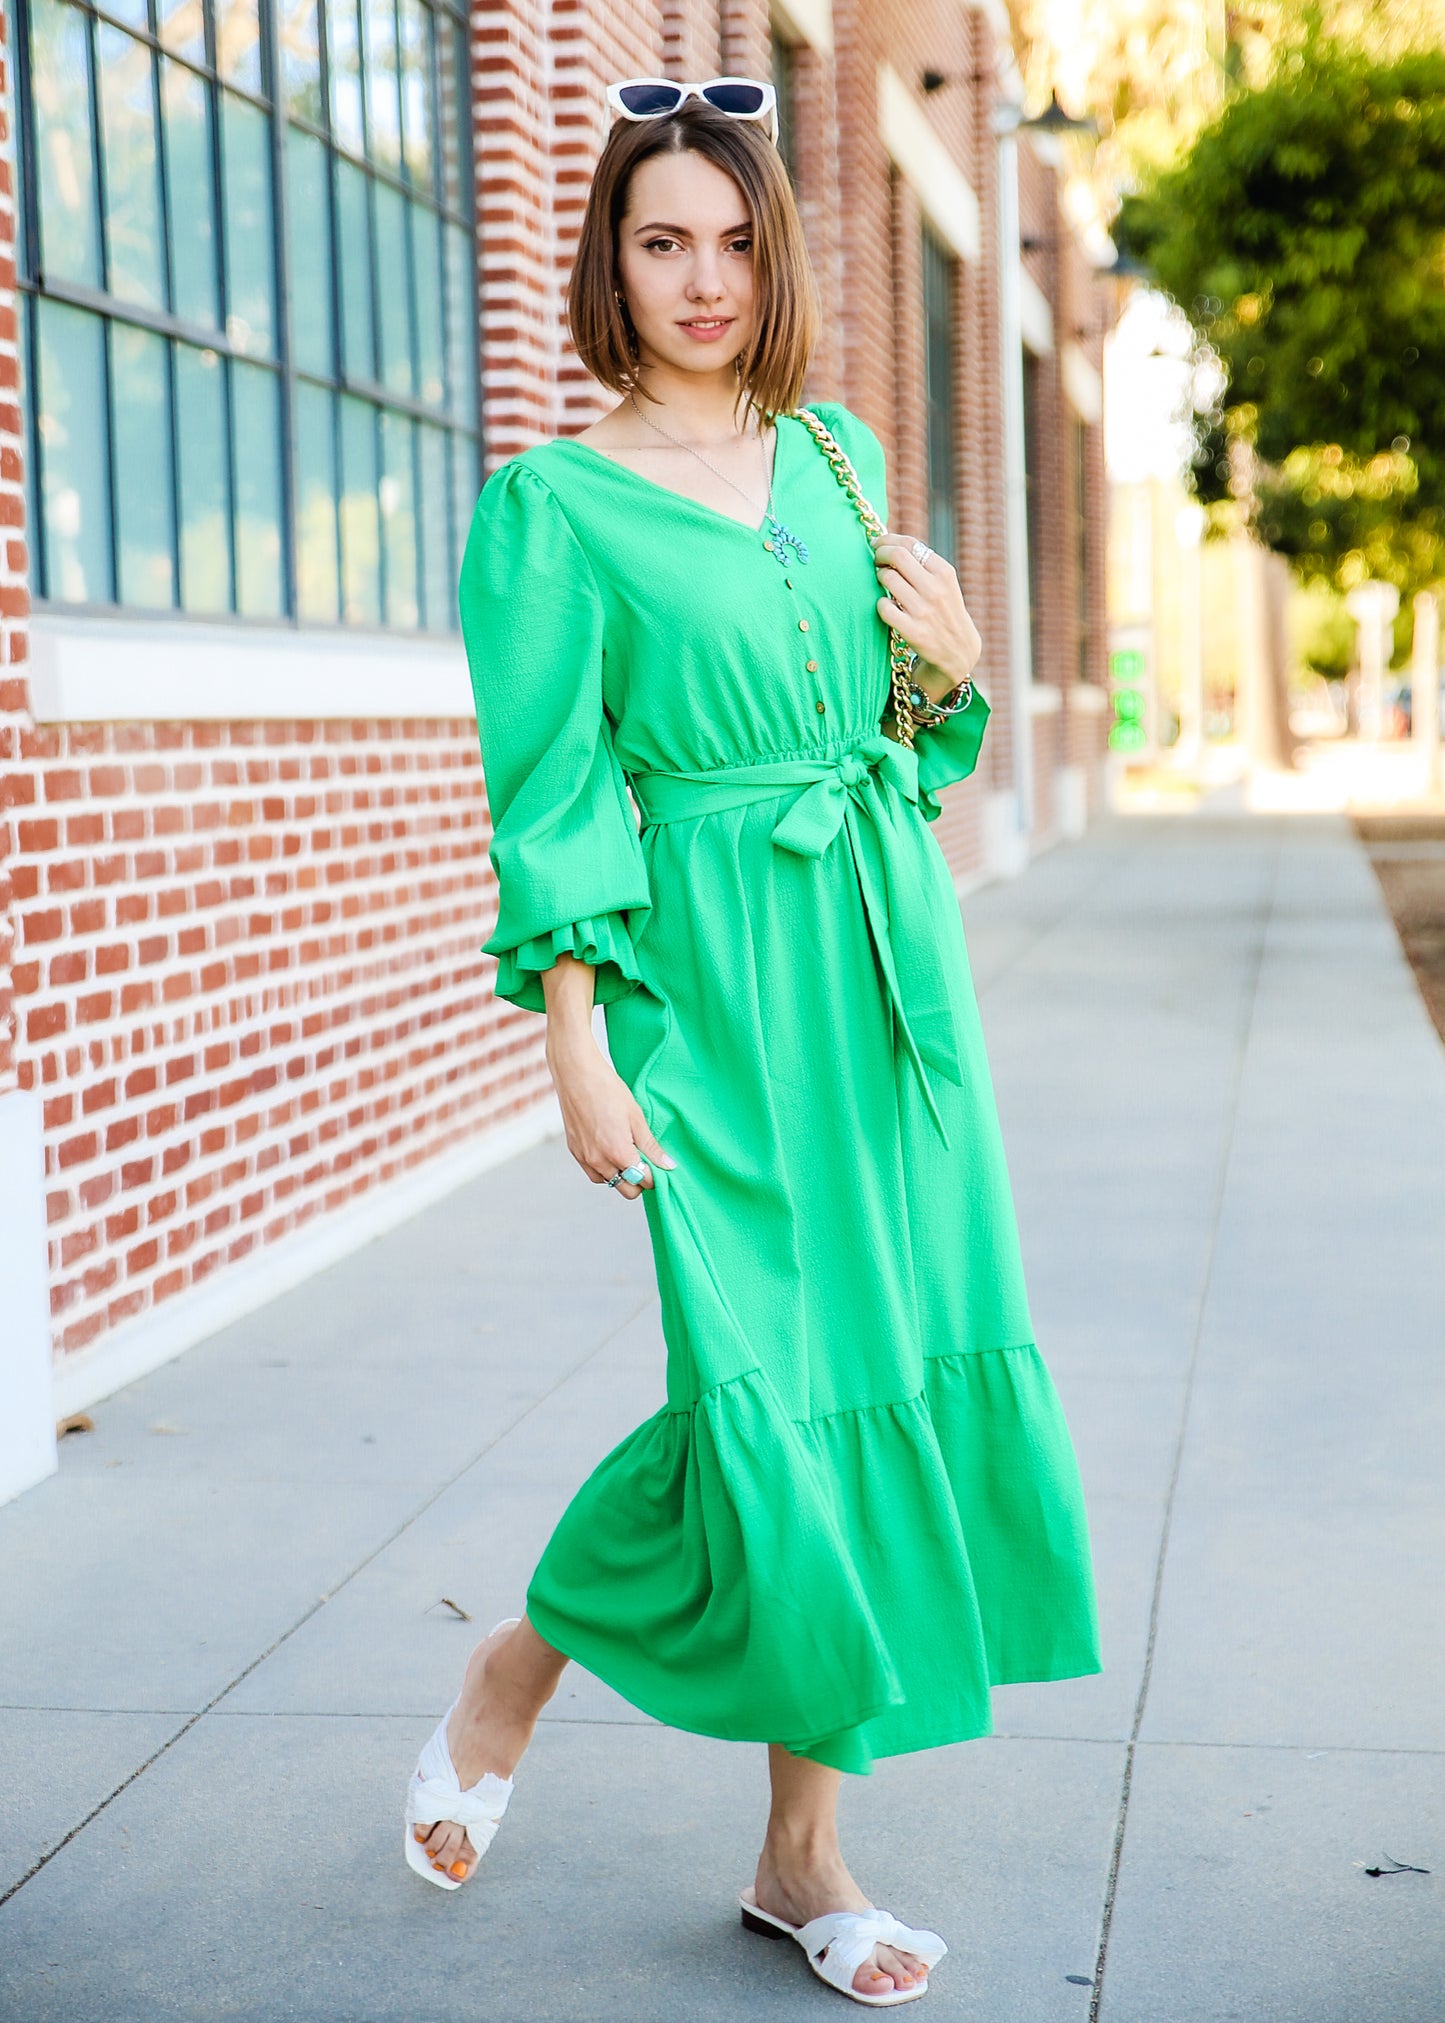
798	1883
510	1677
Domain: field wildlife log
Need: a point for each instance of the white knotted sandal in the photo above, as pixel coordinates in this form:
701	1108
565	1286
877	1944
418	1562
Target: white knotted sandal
838	1942
435	1794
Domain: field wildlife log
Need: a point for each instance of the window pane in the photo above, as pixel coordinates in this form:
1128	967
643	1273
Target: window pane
941	411
141	413
383	105
300	60
315	451
392	267
343	35
308	240
430	306
204	488
782	79
238	43
64	155
246	162
186	123
416	91
24	310
436	564
181	25
465	487
455	148
132	170
398	519
75	502
360	528
17	162
358	339
461	327
256	412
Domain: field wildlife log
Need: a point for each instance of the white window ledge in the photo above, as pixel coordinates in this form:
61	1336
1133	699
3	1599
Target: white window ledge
1045	699
809	21
1083	387
1036	318
103	670
1088	698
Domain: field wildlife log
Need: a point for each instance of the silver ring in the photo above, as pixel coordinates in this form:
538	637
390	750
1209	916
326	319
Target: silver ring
636	1173
921	551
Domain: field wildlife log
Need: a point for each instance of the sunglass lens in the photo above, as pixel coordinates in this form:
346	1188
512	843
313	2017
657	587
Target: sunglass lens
650	97
735	97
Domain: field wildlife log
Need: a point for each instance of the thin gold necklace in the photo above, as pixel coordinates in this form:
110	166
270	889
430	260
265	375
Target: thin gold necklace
777	538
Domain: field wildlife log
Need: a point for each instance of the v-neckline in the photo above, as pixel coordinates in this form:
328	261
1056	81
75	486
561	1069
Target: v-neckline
681	498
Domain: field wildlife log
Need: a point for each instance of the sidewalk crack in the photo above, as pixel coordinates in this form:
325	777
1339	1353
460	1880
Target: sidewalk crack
1226	1156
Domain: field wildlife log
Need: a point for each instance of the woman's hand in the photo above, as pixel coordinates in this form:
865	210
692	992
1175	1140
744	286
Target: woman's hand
924	602
605	1126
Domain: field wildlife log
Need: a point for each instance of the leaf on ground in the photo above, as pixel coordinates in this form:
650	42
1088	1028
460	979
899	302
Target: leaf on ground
78	1422
456	1608
1397	1868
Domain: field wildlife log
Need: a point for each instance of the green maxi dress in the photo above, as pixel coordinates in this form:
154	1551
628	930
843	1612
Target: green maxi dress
860	1505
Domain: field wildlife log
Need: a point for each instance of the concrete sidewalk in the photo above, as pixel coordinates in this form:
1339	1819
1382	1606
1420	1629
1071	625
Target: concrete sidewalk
221	1645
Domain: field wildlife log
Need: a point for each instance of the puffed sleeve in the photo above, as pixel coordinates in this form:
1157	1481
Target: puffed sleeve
946	752
565	849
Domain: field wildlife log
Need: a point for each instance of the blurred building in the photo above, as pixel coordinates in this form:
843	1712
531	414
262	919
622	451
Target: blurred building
280	280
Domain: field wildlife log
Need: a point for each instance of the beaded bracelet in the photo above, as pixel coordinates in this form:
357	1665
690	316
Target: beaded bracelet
925	711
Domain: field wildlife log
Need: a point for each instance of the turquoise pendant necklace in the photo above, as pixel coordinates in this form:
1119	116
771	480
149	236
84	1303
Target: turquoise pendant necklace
779	540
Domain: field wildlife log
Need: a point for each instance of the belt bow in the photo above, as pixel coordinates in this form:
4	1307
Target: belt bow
856	789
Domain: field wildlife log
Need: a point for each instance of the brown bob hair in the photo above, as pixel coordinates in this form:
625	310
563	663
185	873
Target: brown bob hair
786	314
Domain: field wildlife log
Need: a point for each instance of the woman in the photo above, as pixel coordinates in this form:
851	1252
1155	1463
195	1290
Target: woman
860	1505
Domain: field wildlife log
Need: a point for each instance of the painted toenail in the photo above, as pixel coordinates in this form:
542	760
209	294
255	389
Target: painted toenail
459	1868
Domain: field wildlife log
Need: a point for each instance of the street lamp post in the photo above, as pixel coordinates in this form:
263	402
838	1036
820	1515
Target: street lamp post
1425	686
1189	525
1373	605
1008	123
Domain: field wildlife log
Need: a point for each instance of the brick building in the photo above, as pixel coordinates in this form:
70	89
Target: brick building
280	281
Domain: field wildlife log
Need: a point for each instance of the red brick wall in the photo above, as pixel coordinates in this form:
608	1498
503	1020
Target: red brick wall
240	961
248	985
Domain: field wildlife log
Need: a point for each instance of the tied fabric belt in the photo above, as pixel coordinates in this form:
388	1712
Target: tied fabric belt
857	790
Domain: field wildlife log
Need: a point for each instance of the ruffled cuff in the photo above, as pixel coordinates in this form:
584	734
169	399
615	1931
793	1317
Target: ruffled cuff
602	941
948	752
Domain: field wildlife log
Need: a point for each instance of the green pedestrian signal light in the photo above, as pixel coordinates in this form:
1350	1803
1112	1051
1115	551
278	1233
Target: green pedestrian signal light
1127	733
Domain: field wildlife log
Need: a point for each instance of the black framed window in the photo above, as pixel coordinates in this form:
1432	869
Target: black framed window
940	394
248	306
1032	446
783	58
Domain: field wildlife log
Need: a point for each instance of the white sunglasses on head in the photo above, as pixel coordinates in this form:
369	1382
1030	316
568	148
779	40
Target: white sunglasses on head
656	97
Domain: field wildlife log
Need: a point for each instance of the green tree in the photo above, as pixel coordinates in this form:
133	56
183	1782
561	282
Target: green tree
1303	235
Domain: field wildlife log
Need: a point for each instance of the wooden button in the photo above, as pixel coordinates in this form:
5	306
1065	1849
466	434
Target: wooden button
812	667
802	625
820	707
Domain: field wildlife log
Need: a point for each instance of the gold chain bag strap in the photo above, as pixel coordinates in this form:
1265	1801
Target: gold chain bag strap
900	654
